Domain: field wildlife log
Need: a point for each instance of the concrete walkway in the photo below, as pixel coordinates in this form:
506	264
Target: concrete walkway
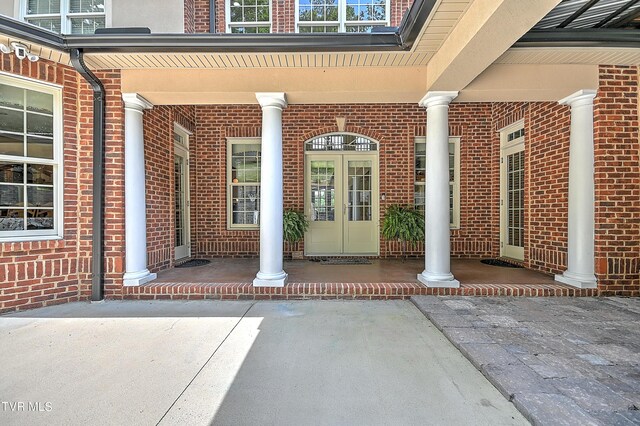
238	363
562	361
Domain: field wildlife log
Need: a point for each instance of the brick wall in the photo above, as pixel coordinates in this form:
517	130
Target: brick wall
398	9
201	15
189	16
39	273
283	19
160	175
617	181
394	126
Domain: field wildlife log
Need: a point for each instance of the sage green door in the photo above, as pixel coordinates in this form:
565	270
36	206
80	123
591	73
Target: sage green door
341	203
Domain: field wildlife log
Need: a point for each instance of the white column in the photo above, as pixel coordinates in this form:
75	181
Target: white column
136	272
581	240
271	272
437	259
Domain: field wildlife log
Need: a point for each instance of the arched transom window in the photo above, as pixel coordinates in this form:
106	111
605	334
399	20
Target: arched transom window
341	142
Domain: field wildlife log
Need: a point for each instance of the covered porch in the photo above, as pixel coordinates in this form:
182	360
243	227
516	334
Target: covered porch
231	279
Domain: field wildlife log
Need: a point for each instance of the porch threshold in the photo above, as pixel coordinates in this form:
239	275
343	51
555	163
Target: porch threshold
340	291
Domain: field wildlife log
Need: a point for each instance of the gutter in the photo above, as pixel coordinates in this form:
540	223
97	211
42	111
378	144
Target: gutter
97	239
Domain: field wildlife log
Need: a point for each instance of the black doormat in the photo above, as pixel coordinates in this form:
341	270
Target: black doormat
501	263
193	263
345	261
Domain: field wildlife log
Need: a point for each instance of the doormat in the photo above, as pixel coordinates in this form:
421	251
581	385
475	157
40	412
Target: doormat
346	261
501	263
193	263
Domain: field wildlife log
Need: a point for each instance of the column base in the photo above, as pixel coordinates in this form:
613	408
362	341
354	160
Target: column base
132	279
270	280
578	282
438	281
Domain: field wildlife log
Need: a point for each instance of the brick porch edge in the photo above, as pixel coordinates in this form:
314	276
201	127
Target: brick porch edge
363	291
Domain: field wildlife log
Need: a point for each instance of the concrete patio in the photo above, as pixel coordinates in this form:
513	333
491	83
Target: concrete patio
239	363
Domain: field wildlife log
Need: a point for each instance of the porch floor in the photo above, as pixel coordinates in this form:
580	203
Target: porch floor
467	271
231	279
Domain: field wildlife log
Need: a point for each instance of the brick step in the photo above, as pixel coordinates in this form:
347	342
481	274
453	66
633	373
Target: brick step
361	291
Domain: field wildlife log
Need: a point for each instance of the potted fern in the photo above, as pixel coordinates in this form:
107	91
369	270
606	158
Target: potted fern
404	224
295	224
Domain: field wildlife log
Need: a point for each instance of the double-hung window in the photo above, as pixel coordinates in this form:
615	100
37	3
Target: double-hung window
65	16
243	177
249	16
330	16
454	178
30	159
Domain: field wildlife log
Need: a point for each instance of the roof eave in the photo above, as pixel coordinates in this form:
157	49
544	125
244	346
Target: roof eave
590	37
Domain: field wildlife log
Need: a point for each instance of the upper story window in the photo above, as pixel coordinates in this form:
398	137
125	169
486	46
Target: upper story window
249	16
30	159
65	16
351	16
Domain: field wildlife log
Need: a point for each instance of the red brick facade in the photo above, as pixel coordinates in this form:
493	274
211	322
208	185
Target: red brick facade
617	181
36	273
47	272
283	19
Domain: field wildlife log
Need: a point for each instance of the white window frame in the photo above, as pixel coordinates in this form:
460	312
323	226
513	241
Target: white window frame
57	161
455	140
230	184
342	22
65	15
229	24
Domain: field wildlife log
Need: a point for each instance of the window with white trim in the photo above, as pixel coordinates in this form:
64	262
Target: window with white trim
30	159
249	16
454	178
65	16
243	177
331	16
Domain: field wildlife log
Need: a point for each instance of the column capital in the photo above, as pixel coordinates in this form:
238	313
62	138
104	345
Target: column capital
135	101
579	98
437	98
272	99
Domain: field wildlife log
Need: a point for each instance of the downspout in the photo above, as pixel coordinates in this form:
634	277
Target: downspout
212	16
97	240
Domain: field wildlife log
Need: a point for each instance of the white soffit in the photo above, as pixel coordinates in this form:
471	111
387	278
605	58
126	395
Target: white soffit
571	55
441	21
42	52
255	60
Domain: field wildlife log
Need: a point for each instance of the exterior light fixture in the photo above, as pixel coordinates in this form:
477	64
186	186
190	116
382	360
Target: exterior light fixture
21	51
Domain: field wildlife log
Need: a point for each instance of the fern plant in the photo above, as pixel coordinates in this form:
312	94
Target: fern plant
404	224
295	225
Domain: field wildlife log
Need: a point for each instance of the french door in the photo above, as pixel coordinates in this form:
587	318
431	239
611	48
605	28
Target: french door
341	202
181	196
512	175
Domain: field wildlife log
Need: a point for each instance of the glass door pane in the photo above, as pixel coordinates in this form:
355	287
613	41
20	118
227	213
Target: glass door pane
179	201
323	191
515	199
359	187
